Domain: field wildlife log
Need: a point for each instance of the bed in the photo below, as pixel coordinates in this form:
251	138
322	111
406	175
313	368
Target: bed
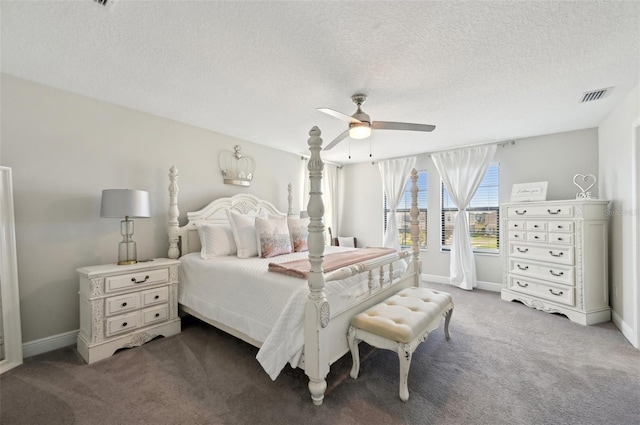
292	320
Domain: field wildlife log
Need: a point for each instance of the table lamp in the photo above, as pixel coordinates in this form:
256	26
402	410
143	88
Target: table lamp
127	203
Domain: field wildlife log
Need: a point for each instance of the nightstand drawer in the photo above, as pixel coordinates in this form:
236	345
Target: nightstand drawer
121	304
155	296
131	280
124	323
155	314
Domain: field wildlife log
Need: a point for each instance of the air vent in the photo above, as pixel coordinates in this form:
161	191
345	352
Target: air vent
595	95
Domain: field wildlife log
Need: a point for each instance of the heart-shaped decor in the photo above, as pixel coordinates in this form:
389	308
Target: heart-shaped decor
582	180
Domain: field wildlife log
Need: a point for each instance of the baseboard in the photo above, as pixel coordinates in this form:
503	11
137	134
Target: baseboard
624	329
487	286
50	343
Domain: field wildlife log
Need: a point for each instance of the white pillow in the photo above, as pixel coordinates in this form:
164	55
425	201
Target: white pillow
243	227
346	241
216	240
299	231
272	236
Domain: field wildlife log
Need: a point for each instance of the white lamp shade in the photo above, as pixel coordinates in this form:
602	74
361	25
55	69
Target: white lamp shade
119	203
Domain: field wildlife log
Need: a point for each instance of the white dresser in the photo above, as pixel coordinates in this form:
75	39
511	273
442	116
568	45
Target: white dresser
126	306
555	257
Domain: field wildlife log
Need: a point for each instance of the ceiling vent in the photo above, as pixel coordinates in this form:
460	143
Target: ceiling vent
594	95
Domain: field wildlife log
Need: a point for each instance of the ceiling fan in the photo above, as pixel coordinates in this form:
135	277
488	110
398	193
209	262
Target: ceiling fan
360	124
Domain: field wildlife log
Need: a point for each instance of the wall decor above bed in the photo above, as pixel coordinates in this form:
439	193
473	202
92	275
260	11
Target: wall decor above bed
236	168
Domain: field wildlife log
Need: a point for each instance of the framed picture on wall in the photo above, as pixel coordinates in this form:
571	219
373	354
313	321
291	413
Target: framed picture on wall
526	192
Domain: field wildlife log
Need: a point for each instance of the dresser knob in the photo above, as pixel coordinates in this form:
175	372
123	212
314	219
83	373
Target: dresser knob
124	324
156	297
157	314
124	304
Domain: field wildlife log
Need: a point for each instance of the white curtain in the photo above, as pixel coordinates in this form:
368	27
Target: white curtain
329	196
395	173
462	171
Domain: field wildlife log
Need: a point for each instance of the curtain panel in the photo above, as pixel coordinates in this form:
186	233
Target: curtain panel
461	171
395	175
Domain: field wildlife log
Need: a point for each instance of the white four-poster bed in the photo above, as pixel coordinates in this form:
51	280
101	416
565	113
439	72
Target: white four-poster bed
304	325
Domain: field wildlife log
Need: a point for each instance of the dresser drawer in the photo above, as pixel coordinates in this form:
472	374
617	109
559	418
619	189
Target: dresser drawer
124	323
122	304
155	296
556	273
132	280
562	295
564	238
537	225
551	253
517	236
540	211
560	226
536	237
155	314
517	225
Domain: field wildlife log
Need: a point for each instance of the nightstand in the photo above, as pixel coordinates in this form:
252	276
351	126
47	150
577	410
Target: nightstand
126	306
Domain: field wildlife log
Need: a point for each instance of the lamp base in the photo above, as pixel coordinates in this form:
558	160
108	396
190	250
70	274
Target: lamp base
127	248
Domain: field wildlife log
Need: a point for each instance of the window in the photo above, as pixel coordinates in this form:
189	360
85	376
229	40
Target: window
483	215
403	211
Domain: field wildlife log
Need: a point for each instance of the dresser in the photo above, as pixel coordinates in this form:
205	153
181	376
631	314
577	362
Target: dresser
555	257
126	306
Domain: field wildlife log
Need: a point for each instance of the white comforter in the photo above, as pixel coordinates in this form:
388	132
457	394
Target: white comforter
266	306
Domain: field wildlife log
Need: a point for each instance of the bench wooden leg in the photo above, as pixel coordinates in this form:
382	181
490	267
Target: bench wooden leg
447	319
404	355
355	352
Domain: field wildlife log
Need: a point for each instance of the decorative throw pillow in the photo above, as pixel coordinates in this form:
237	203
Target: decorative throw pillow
243	227
346	241
272	236
299	230
216	240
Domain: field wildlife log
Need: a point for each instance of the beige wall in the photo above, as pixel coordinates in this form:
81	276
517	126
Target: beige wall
617	162
64	149
555	158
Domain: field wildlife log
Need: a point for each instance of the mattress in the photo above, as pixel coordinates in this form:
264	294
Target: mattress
268	307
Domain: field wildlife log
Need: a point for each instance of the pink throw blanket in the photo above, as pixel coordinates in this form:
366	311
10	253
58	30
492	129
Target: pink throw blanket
335	261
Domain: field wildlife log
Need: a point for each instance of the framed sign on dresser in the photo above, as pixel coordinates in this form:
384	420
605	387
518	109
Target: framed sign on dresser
555	257
124	306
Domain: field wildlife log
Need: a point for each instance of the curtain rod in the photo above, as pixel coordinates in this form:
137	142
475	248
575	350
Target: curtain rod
500	144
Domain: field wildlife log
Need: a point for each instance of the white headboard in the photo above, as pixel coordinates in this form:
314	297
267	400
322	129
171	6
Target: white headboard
183	240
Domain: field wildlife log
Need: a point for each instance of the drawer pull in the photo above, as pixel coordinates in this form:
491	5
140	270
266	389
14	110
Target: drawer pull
516	225
124	304
556	255
157	314
560	239
556	274
554	213
521	213
516	236
536	237
559	226
522	268
521	285
556	293
124	324
523	250
156	297
535	226
133	279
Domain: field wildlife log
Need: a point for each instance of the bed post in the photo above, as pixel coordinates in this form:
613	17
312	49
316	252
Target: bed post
317	308
415	232
172	223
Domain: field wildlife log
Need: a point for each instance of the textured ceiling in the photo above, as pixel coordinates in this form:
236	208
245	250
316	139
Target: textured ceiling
480	71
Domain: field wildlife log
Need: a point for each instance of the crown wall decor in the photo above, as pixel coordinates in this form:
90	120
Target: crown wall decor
236	168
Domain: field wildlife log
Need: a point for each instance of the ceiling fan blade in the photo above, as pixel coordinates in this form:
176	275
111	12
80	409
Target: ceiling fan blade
339	115
337	140
387	125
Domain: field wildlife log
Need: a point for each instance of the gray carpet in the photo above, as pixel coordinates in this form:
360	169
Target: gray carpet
505	364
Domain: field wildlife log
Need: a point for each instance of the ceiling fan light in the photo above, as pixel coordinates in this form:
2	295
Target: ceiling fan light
359	131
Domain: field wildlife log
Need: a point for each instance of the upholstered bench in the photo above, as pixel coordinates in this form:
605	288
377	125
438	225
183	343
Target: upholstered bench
400	323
